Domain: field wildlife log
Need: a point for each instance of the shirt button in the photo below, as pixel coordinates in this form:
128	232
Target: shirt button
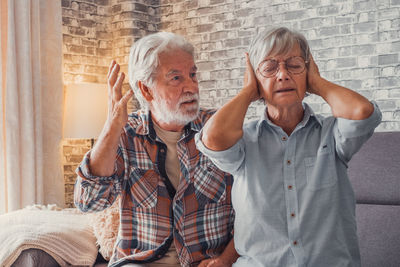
288	162
290	187
284	138
295	243
292	215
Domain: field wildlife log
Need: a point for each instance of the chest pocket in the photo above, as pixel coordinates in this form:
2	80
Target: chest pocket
209	182
320	170
143	187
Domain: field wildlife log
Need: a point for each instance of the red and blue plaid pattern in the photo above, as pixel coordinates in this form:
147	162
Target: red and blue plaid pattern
199	218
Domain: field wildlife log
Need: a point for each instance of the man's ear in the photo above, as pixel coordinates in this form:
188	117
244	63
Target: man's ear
145	91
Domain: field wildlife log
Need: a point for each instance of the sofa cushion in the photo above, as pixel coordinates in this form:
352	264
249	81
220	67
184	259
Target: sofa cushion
375	170
379	235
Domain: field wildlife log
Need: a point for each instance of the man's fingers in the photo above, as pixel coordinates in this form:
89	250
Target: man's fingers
117	89
114	75
126	97
110	68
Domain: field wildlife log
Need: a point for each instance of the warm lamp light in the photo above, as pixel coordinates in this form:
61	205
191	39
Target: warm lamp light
85	110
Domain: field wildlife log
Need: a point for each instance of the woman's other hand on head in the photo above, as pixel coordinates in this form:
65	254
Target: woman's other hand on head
250	84
313	76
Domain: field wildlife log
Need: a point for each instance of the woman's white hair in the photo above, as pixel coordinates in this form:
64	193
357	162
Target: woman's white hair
144	59
276	41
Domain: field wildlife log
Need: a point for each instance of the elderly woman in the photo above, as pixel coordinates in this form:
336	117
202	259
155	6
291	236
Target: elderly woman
293	200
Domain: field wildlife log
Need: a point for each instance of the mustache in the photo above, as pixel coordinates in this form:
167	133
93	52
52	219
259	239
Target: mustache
188	97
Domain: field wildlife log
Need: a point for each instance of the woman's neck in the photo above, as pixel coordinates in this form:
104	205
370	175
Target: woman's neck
286	117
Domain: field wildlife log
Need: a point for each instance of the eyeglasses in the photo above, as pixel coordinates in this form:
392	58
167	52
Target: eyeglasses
294	65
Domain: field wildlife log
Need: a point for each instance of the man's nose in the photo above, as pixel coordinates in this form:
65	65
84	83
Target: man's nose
282	72
191	85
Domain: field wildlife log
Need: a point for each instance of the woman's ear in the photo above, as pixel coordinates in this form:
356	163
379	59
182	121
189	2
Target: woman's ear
145	91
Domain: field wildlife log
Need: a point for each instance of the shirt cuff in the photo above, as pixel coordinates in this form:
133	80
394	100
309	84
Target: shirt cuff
212	153
354	128
84	172
229	160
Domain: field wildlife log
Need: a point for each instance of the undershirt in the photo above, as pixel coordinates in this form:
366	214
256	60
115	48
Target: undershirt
172	166
173	171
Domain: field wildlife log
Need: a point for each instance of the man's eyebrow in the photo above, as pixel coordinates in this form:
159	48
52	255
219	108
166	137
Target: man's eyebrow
171	72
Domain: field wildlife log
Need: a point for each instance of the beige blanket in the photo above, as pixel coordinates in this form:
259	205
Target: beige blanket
66	235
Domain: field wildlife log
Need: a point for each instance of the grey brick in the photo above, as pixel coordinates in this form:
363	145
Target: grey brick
387	59
232	24
363	49
394	93
327	10
344	19
204	28
244	12
386	104
310	3
365	5
311	23
364	27
295	15
233	42
218	35
395	47
345	62
389	81
329	31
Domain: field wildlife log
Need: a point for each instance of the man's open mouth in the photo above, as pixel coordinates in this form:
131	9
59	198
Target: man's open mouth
189	102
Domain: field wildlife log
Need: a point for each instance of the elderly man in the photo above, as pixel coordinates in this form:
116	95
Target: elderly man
175	205
290	167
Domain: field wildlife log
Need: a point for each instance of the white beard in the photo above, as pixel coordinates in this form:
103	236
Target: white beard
163	113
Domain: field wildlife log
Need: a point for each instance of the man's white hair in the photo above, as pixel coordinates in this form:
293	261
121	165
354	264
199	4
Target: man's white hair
144	59
276	41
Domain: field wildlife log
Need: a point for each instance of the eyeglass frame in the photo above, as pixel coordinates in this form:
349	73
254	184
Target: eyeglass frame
279	62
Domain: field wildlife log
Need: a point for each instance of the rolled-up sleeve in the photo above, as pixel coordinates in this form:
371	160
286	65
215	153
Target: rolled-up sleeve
230	160
350	135
95	193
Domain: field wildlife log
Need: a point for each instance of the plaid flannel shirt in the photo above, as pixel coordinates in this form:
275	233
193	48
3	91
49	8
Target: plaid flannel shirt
198	217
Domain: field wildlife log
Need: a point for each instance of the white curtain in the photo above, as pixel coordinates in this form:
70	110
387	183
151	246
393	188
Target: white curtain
31	104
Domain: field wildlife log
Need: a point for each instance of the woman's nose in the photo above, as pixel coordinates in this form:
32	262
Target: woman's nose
282	73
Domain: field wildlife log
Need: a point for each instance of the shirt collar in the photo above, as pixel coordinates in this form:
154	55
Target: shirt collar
308	113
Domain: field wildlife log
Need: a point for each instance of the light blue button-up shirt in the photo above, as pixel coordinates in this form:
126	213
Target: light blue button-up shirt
293	200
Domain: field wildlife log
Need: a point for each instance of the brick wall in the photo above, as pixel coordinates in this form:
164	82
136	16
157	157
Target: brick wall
94	33
355	43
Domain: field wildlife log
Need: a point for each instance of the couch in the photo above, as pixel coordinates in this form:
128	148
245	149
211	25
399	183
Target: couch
375	175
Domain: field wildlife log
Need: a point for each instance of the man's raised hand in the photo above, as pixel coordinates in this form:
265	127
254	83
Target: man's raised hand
117	103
